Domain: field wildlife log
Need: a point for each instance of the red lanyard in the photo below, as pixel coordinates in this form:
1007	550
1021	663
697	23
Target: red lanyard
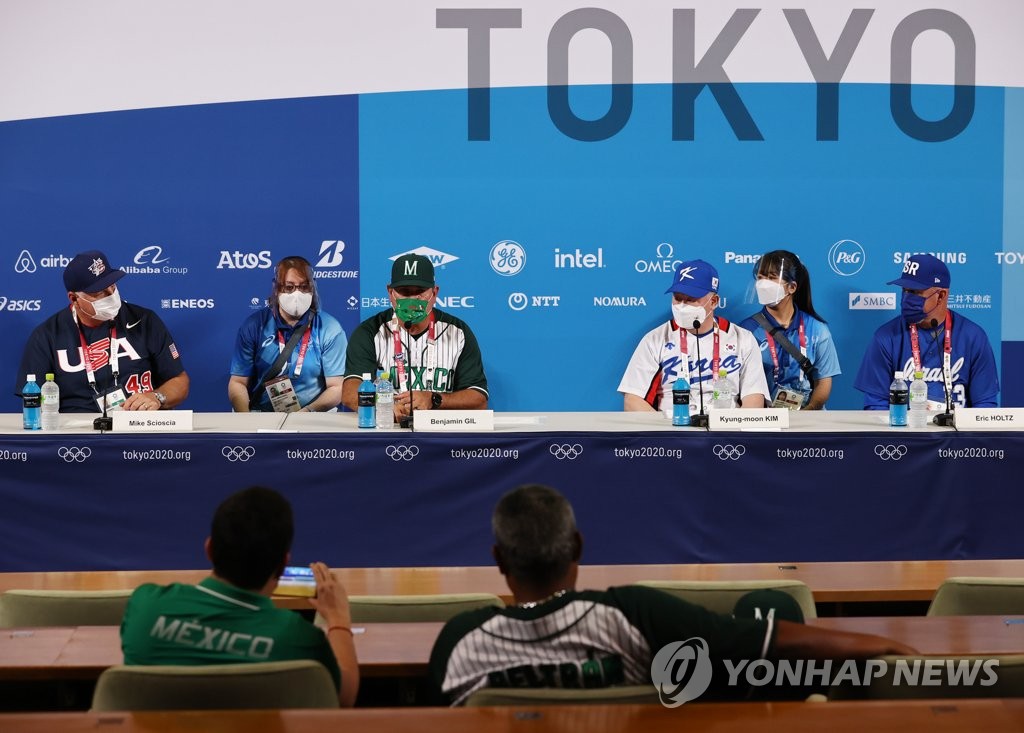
88	357
400	356
684	349
774	353
947	350
302	348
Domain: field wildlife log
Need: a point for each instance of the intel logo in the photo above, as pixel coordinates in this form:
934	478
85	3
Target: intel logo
846	257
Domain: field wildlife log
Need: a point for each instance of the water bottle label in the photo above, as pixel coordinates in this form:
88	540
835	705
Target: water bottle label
681	398
366	399
899	397
31	400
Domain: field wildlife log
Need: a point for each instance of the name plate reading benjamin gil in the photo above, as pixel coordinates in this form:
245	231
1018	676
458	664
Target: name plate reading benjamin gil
749	418
152	421
453	421
989	418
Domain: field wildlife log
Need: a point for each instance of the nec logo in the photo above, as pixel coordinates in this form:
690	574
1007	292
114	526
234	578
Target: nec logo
872	301
15	304
244	260
456	301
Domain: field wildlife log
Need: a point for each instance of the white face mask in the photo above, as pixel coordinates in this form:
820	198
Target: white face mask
107	308
686	313
769	292
295	304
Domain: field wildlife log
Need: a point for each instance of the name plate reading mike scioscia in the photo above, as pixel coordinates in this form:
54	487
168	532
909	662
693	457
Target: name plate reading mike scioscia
749	418
152	421
989	418
453	421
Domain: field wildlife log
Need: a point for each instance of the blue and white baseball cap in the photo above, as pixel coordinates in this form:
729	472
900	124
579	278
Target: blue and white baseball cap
695	278
90	272
921	272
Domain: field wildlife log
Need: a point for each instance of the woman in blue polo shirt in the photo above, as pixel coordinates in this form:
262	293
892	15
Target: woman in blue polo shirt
799	376
289	355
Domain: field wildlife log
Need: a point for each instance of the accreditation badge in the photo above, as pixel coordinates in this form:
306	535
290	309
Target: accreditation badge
791	399
114	399
282	395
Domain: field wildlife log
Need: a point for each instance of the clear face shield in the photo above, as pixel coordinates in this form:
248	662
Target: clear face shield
769	286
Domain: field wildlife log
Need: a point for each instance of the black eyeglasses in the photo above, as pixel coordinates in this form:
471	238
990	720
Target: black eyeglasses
290	288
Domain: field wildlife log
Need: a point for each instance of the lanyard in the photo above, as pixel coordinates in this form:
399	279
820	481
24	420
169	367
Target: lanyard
87	355
400	355
774	353
684	349
302	348
915	348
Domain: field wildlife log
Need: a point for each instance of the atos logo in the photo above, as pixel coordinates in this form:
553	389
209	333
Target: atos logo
508	258
436	257
872	301
244	260
456	301
15	304
846	257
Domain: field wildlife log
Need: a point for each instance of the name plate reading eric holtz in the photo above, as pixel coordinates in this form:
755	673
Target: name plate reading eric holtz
989	418
749	418
453	421
152	421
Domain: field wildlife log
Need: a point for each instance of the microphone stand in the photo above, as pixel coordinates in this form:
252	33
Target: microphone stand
105	423
701	420
406	420
946	419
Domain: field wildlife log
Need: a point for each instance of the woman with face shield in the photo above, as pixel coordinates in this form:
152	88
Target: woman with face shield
797	351
289	356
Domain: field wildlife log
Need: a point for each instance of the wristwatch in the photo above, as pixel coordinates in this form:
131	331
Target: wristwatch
435	401
161	398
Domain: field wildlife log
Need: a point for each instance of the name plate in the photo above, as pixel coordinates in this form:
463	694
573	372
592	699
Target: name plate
152	421
453	421
989	418
749	418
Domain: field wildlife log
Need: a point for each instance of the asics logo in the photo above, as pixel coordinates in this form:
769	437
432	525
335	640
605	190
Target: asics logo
73	454
402	452
238	452
564	451
729	452
890	452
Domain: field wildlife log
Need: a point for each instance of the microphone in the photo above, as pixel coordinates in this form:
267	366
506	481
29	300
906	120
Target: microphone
105	423
406	420
944	420
701	420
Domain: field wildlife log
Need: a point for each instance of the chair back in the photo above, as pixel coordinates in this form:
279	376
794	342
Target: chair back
397	609
916	678
291	684
979	597
505	696
63	607
720	596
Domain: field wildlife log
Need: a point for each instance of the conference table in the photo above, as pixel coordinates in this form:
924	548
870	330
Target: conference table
834	486
403	649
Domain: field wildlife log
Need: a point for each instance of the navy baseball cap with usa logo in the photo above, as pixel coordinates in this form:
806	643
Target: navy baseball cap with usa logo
90	272
695	278
921	272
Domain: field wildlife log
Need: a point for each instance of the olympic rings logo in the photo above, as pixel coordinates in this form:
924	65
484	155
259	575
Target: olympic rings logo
728	452
73	454
564	451
238	452
402	452
890	452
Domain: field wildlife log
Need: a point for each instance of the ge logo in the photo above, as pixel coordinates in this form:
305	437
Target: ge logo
402	452
681	671
25	263
564	451
846	257
729	452
238	452
508	257
73	454
517	301
890	452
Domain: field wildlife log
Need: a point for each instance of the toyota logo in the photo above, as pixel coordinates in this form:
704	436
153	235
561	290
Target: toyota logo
73	454
729	452
402	452
238	452
890	452
564	451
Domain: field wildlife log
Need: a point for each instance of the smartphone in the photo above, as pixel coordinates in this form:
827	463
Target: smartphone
296	581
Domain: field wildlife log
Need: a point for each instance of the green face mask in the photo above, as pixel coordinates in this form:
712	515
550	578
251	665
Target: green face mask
411	310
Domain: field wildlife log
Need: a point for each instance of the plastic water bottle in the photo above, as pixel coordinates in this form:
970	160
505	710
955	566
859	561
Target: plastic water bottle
30	401
367	399
681	402
918	401
385	401
50	393
722	397
899	396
